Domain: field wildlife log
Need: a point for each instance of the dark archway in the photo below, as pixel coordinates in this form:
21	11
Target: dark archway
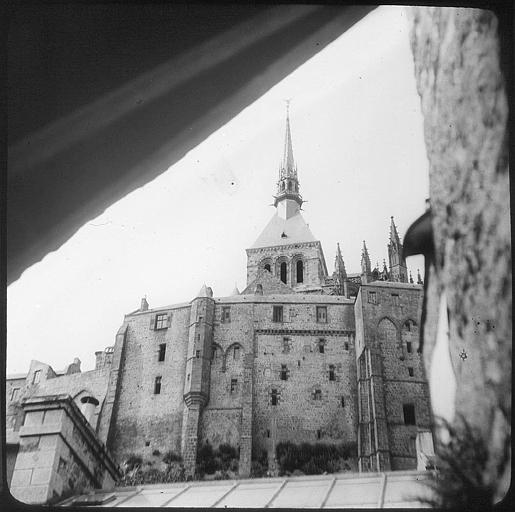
284	272
300	271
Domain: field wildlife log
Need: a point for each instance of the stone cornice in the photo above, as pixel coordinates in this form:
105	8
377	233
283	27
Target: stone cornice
307	332
298	245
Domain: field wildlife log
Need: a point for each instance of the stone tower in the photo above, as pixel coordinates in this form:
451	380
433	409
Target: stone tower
398	269
198	368
341	284
286	247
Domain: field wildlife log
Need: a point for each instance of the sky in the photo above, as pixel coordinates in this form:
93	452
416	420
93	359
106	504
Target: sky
358	143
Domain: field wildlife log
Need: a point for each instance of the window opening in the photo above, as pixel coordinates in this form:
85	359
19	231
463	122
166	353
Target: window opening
409	348
331	372
317	395
284	270
14	394
267	267
214	351
321	346
268	433
162	352
277	314
197	354
236	352
284	372
161	321
372	297
274	397
319	434
37	376
409	414
300	272
234	384
157	386
226	314
395	299
342	401
346	345
410	371
286	345
322	314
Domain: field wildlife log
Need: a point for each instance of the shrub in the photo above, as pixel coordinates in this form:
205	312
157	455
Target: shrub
170	456
210	461
156	453
132	461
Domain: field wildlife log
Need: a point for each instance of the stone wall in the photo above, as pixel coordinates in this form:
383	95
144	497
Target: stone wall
143	421
464	103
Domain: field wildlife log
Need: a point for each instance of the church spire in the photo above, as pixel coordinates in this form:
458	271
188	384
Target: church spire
288	199
366	268
398	269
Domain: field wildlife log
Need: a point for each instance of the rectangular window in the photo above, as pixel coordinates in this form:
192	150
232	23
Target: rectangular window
321	346
162	352
319	434
317	395
409	347
395	299
286	345
157	386
268	433
346	345
410	371
226	314
197	354
322	314
161	321
372	298
284	372
236	353
409	414
342	401
331	372
14	394
274	397
278	314
234	385
37	376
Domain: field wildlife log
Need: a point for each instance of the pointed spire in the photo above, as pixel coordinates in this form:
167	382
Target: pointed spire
394	236
205	291
288	163
287	196
365	260
339	264
235	290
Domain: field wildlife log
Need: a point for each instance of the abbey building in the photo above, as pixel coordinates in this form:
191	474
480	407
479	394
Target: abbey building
303	353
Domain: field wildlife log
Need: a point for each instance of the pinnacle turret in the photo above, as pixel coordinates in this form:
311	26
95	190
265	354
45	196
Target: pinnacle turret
366	267
398	269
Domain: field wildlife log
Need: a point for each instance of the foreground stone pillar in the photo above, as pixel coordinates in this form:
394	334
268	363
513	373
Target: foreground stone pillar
246	419
459	56
60	453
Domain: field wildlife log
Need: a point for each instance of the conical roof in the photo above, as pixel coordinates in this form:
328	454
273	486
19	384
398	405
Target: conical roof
280	231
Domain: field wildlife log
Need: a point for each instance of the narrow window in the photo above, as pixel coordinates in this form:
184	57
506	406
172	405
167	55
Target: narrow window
37	376
300	272
214	352
331	372
284	270
346	345
268	433
157	386
395	299
298	363
14	394
282	185
197	354
409	414
319	434
277	314
188	377
317	395
286	345
342	401
236	353
274	397
372	298
162	352
408	325
289	185
226	314
284	372
410	371
267	267
408	346
321	346
234	384
322	314
161	321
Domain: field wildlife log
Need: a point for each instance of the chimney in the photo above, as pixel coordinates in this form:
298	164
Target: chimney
144	304
259	289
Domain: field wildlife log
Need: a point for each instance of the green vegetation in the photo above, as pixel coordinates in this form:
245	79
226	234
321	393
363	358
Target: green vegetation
137	473
221	462
314	458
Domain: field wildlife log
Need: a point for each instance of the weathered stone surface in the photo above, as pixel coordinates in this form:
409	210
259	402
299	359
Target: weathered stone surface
464	102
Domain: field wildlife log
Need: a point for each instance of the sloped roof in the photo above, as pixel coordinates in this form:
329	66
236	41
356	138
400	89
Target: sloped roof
270	283
295	228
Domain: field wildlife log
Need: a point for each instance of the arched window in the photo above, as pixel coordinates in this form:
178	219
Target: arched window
282	185
284	270
300	271
267	267
289	185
